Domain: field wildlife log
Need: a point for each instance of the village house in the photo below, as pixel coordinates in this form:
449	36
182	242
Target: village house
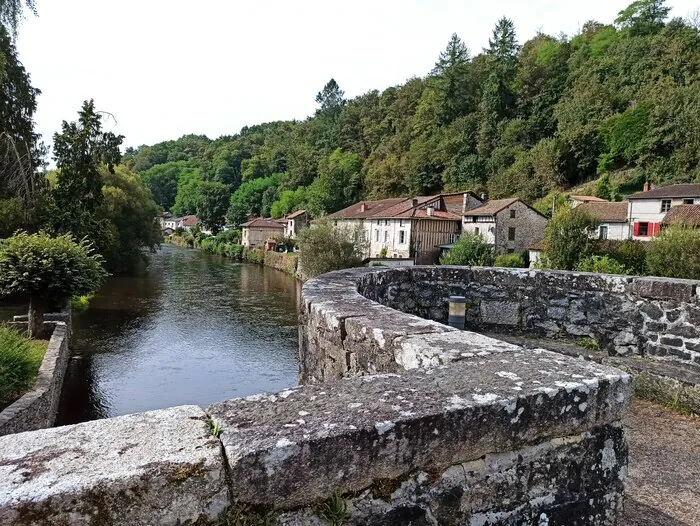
612	217
257	231
685	215
648	209
405	228
294	222
509	225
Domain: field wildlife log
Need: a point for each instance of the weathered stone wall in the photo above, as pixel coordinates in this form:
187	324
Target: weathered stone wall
654	317
38	408
430	426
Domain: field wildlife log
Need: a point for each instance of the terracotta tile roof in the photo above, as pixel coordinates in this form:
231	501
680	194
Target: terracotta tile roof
295	214
370	209
588	199
674	190
537	246
190	220
490	208
607	211
437	214
688	215
260	222
406	207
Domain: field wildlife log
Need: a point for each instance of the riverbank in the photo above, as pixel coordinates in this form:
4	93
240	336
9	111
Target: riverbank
284	261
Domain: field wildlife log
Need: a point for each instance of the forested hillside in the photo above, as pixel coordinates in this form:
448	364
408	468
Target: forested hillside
514	119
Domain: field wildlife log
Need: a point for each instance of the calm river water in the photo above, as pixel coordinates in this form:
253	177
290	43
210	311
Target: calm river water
194	329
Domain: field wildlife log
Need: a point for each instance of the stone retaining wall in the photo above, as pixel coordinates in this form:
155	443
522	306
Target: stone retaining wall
38	408
654	317
429	426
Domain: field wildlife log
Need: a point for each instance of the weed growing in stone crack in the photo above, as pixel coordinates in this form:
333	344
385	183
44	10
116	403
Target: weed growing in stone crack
334	511
588	343
214	428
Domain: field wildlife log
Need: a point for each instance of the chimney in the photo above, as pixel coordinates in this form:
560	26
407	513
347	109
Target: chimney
415	202
363	207
646	186
430	211
484	197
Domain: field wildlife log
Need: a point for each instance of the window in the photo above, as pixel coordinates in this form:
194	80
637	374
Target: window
476	230
603	232
400	222
452	239
642	229
512	214
688	201
402	237
386	236
474	219
377	236
665	205
511	233
386	222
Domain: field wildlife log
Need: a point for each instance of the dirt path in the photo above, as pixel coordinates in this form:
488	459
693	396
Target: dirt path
664	467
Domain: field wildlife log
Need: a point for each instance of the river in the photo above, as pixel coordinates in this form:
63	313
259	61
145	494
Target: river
194	328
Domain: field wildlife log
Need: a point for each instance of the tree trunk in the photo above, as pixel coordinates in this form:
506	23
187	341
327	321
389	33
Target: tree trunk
35	319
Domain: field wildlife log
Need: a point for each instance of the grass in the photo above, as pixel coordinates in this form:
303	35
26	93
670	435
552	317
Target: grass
20	359
334	512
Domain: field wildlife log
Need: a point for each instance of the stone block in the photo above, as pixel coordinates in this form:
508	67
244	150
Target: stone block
500	313
160	467
665	288
350	434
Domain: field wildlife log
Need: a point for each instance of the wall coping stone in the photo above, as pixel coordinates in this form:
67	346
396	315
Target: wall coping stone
349	433
158	467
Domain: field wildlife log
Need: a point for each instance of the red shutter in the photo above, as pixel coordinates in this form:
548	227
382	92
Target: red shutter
636	229
656	229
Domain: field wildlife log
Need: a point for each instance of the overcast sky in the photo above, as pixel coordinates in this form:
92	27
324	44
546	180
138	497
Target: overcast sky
166	68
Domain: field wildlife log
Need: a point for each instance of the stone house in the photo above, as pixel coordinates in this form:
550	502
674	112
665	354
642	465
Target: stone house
294	222
256	232
189	222
405	228
509	225
612	217
648	209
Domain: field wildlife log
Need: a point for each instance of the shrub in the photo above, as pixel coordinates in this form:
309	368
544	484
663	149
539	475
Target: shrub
509	261
253	256
325	248
675	253
633	255
470	249
601	265
42	267
567	238
20	359
80	303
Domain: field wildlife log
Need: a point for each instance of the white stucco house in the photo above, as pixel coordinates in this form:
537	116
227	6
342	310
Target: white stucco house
612	217
294	222
647	209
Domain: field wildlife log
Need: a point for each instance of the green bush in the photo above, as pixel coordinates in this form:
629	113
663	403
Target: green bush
601	265
81	303
567	238
470	249
675	253
325	248
20	359
633	255
41	267
509	261
253	256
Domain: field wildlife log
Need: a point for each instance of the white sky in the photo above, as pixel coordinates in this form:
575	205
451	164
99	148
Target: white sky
166	68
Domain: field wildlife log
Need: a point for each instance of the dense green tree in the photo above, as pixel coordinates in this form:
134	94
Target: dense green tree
337	185
643	16
163	179
129	212
247	201
325	248
42	268
187	192
675	253
212	204
11	13
568	238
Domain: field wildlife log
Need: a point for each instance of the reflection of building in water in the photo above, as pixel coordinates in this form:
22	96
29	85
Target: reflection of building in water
265	280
